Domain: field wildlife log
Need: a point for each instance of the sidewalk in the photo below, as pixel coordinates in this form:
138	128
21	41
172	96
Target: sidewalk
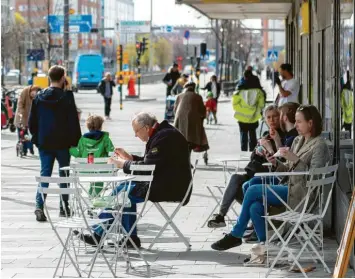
30	249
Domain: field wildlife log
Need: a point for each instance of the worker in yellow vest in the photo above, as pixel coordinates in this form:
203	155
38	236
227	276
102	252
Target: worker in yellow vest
346	100
248	105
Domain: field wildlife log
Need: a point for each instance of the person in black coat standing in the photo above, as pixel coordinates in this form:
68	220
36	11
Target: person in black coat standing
55	127
105	87
213	86
171	78
168	150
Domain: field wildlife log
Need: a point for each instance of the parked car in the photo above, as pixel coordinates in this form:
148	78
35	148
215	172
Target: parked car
88	71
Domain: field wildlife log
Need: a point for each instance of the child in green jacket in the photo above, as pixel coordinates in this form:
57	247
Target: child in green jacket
95	141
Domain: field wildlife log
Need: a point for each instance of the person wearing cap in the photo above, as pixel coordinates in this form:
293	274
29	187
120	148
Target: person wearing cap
211	107
171	78
179	85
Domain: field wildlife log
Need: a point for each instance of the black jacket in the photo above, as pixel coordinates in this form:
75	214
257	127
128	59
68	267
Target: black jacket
208	87
54	122
167	149
171	77
102	87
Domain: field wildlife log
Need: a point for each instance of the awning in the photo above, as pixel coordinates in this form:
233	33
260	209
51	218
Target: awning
241	9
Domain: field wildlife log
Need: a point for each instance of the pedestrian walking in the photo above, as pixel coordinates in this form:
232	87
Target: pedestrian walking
55	127
106	86
190	112
22	115
171	78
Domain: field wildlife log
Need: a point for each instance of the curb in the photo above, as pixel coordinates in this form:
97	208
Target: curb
140	100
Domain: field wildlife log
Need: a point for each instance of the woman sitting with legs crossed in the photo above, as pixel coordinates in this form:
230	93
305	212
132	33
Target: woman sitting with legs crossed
308	151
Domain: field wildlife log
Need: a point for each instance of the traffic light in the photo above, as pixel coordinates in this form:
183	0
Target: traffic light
119	53
145	44
138	48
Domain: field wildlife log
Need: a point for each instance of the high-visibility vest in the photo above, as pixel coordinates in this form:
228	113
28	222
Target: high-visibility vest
346	100
248	104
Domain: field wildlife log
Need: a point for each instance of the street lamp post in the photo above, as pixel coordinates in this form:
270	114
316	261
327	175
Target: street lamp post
222	56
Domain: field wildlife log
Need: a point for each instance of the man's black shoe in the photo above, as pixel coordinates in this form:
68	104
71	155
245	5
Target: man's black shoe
62	212
135	239
88	239
227	242
40	217
217	221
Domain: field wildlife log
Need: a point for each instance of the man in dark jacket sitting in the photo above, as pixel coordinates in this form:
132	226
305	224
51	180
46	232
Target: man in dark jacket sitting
168	150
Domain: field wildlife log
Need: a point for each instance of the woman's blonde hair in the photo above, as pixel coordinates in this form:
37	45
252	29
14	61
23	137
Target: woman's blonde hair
94	122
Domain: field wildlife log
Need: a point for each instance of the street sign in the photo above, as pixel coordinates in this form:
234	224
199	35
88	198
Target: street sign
273	55
77	23
167	29
206	57
125	67
35	54
187	34
134	26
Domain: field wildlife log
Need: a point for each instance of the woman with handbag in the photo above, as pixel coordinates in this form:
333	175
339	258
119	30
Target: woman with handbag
308	151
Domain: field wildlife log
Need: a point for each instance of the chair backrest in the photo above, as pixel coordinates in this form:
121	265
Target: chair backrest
93	169
349	160
319	179
96	160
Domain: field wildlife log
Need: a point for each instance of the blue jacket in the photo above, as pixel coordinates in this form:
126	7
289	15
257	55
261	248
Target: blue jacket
54	122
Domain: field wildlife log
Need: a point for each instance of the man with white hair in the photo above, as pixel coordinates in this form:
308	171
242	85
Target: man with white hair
105	87
167	149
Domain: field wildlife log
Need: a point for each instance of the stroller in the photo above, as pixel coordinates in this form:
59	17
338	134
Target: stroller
24	144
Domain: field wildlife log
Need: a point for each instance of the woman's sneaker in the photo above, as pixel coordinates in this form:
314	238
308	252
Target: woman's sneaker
217	221
40	217
227	242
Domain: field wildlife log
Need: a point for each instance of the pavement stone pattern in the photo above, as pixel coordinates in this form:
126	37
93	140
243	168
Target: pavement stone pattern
30	249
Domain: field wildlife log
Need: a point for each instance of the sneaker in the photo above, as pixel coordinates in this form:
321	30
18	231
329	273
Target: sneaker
62	212
40	217
129	245
227	242
217	221
32	152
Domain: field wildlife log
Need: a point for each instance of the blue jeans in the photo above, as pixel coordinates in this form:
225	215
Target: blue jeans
257	180
253	208
47	158
127	219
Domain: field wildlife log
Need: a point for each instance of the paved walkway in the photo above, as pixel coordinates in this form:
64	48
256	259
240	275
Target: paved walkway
30	249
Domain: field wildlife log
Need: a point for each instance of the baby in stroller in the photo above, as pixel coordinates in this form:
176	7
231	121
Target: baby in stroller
24	144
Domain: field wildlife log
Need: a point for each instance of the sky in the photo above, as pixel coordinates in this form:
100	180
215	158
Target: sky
166	12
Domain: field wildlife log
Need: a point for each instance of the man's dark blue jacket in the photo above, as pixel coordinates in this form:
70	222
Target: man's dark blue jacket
168	150
54	122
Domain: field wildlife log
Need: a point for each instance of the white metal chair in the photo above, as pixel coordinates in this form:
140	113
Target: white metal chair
218	198
77	221
169	219
85	160
349	166
141	173
306	227
93	170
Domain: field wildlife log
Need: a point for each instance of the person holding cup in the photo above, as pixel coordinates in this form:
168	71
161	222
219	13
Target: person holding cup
309	150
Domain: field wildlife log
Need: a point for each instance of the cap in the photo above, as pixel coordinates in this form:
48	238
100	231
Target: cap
210	94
